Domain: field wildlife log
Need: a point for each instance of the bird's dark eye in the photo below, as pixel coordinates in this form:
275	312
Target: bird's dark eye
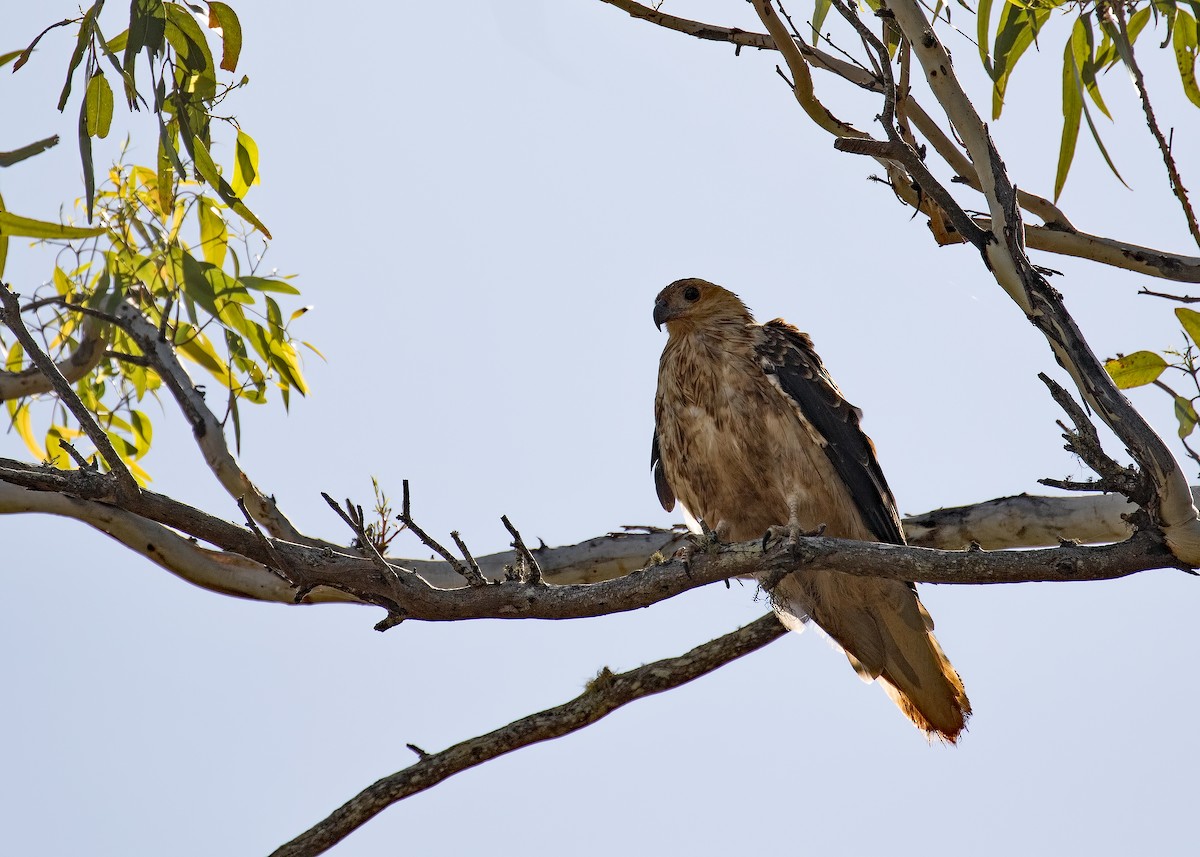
691	293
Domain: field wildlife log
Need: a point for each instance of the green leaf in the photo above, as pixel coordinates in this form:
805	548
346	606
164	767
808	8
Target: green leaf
14	225
1087	114
98	106
1190	319
214	236
195	346
7	159
222	16
1019	26
5	59
245	164
15	357
28	52
983	22
263	284
186	37
1185	44
62	283
85	155
86	26
1072	110
207	168
820	11
147	27
4	233
118	42
1185	412
143	431
191	48
1135	370
169	166
274	315
1083	43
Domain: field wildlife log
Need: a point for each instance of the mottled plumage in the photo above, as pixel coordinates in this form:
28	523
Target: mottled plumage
752	433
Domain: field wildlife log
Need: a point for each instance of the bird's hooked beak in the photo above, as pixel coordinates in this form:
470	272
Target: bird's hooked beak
662	314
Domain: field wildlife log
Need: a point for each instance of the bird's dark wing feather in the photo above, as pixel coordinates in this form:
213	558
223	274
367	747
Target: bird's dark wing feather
788	354
666	496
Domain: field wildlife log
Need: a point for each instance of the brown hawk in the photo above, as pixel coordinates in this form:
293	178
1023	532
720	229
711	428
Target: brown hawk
751	434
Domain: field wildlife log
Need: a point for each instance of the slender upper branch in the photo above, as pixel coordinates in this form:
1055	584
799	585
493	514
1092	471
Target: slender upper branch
206	428
1139	80
700	30
1058	236
604	695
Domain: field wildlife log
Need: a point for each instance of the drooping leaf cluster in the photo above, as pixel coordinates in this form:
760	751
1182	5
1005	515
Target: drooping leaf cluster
175	239
1102	35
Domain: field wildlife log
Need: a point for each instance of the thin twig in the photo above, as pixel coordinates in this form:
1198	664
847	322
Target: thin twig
280	566
533	571
430	542
1084	441
1183	299
80	462
699	29
353	516
475	578
604	694
11	316
1164	147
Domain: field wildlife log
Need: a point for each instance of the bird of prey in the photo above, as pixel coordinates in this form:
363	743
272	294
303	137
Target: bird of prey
751	435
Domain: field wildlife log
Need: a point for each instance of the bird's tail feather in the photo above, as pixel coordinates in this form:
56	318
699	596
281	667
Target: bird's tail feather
887	635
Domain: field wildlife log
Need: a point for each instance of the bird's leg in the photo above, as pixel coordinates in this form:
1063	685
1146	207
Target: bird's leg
709	538
704	541
790	532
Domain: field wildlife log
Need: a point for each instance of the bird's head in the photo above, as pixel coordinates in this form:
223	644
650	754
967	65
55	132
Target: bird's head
687	304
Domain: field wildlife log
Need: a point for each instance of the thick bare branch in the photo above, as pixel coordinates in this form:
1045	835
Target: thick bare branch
1108	251
404	593
217	571
604	694
32	381
1005	256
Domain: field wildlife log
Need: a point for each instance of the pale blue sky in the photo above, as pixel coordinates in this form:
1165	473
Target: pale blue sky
481	200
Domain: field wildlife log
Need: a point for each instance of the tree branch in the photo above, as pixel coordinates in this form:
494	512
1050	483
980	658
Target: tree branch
206	428
1005	256
604	694
32	381
1057	236
405	593
710	32
1120	35
126	484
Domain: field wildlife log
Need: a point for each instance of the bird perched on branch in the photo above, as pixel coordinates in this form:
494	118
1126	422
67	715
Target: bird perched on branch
751	435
